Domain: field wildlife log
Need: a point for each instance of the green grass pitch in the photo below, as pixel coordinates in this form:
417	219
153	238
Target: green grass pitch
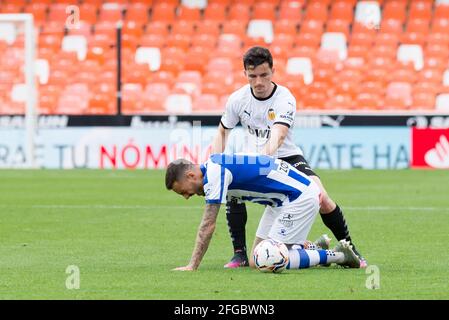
125	233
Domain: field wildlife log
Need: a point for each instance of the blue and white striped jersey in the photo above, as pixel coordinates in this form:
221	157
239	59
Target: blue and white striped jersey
256	178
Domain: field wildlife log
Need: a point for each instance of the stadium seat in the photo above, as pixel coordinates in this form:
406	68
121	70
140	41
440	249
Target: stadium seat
42	70
264	11
178	104
239	12
300	66
446	78
317	10
335	41
315	27
75	43
338	25
400	91
395	10
420	10
198	4
208	27
413	53
150	56
441	10
368	101
391	26
339	101
423	101
261	28
188	13
162	11
290	11
342	10
215	12
206	103
442	102
88	13
8	32
19	92
110	12
137	12
154	96
285	27
368	13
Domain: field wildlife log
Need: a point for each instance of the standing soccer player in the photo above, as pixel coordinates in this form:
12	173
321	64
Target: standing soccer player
266	111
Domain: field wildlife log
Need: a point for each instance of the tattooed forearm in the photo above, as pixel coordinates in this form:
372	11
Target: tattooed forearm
205	232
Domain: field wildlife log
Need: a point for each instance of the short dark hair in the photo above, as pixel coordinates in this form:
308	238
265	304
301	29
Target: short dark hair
256	56
175	171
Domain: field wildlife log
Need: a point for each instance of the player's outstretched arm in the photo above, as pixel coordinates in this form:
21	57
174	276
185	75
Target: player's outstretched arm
205	231
220	139
277	137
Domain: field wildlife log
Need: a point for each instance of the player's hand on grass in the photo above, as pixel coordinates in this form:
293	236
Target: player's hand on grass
186	268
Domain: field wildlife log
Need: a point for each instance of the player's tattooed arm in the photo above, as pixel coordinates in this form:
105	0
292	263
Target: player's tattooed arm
205	231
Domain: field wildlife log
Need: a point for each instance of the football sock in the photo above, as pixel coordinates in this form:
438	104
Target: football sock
336	222
236	216
302	258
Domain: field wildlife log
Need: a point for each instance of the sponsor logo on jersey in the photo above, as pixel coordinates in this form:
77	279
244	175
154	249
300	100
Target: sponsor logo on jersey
288	116
260	133
271	114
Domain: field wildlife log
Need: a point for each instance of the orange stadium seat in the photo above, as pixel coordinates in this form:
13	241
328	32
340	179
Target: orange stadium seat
188	14
395	10
208	27
163	12
290	11
317	10
368	101
236	27
441	12
424	101
342	10
215	12
338	25
418	25
137	12
206	103
240	12
265	11
440	25
420	10
88	12
157	28
183	27
285	27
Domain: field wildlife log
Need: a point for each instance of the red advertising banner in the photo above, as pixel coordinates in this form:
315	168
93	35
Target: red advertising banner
430	148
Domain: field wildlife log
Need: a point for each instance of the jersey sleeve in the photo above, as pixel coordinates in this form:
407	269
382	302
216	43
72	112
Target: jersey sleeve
285	111
230	117
218	178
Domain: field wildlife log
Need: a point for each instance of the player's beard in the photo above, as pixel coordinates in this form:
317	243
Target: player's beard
200	191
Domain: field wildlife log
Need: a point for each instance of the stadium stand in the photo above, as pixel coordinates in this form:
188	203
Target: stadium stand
185	56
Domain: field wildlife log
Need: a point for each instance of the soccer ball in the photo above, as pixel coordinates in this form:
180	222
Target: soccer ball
271	256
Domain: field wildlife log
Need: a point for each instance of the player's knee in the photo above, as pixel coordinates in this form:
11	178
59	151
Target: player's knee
326	203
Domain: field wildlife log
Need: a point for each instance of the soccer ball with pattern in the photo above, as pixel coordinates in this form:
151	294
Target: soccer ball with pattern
271	256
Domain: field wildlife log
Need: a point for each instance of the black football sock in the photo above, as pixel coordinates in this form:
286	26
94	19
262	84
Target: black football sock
336	222
236	216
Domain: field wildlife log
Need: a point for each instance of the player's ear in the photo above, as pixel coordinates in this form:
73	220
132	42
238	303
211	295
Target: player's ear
190	174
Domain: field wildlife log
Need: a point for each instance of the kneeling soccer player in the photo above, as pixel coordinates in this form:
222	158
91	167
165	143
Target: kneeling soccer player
286	192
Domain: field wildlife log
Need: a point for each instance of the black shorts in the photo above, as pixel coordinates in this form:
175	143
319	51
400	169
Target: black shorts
300	163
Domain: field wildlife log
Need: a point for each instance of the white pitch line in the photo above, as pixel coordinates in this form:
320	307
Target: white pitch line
147	207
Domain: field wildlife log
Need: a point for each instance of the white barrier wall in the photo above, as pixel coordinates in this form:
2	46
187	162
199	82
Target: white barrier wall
115	147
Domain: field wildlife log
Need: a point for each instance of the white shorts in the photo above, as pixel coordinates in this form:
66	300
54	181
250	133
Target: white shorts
292	222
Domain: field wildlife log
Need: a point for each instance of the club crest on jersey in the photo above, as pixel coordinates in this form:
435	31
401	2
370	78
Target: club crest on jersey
271	114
